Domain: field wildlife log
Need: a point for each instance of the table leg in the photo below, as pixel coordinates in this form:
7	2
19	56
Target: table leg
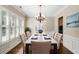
27	48
55	48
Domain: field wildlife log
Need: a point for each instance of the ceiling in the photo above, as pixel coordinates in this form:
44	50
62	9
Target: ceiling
47	10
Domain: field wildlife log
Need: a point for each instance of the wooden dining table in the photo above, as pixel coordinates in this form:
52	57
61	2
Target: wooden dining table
41	38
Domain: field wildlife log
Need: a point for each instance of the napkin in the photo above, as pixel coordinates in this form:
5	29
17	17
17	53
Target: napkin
35	34
44	34
47	38
34	38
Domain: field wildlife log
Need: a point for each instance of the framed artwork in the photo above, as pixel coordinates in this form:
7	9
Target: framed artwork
72	20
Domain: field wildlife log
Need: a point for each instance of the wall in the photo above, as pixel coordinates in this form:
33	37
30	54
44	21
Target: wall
48	24
69	34
68	11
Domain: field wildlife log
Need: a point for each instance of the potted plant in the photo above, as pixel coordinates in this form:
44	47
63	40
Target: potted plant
27	31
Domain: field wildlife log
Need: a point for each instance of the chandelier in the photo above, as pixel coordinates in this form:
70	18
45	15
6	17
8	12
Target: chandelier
40	17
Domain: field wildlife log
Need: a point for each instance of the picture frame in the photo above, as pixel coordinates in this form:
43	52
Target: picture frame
72	20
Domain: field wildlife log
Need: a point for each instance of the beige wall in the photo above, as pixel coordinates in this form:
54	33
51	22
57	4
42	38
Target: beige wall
48	24
66	12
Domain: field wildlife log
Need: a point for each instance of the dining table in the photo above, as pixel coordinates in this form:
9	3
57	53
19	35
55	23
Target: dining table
40	37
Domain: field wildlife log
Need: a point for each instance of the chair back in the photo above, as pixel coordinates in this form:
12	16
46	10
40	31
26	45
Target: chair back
55	35
23	39
41	47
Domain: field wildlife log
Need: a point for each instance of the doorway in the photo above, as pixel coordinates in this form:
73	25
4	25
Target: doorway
60	30
60	25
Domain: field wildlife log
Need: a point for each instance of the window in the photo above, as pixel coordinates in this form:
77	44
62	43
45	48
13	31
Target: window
3	23
21	25
4	26
17	27
11	25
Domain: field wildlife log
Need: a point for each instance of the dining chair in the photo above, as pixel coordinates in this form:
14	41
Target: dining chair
55	35
58	38
23	39
41	47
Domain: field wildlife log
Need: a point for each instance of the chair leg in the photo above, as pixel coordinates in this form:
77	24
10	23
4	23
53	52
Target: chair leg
24	52
51	51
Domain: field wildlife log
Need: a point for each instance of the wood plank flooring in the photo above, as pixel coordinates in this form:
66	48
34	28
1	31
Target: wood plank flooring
18	50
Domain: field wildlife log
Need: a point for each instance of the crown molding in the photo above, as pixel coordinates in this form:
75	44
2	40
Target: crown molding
18	9
61	10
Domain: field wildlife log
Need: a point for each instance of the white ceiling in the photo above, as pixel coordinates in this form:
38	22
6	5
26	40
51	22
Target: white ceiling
47	10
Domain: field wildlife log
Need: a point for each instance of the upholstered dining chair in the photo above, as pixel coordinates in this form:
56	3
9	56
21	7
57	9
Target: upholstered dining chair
55	35
41	47
23	39
58	38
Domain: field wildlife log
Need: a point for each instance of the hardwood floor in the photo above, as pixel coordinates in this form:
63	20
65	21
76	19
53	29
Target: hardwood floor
18	50
64	50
